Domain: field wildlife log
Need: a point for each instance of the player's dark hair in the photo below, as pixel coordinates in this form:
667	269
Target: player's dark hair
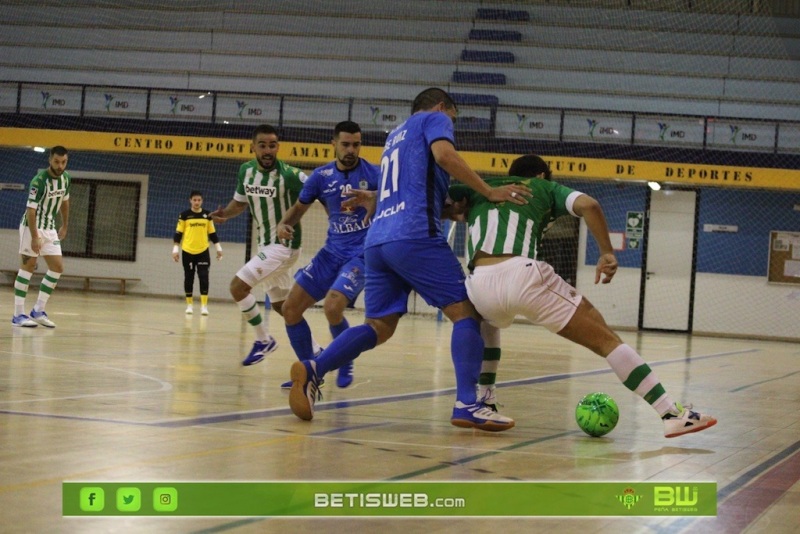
347	127
529	166
264	129
195	193
430	97
58	151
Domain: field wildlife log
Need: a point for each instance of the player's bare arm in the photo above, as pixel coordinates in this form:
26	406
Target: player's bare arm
591	211
291	218
36	240
233	209
62	232
451	161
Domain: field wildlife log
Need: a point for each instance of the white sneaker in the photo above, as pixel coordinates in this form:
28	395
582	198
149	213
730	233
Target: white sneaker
683	420
24	321
479	416
42	319
204	310
189	310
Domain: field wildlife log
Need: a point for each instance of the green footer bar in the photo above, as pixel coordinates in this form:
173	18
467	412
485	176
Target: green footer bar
402	499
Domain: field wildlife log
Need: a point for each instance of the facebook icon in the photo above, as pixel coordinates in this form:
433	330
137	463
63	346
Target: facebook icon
92	499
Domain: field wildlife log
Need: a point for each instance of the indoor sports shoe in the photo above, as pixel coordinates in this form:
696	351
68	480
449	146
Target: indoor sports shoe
189	310
288	384
24	321
479	416
345	376
259	350
683	420
317	351
42	318
488	397
305	390
204	310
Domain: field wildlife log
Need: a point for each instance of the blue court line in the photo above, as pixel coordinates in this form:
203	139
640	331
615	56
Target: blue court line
372	401
762	382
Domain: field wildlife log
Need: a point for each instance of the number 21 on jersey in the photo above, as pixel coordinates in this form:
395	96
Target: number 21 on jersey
390	166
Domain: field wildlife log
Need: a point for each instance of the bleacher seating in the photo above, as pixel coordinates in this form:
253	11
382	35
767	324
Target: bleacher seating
720	64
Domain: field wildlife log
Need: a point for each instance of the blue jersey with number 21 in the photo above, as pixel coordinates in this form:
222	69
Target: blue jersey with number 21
413	186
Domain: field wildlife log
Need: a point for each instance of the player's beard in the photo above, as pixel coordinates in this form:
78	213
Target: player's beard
55	172
267	162
348	162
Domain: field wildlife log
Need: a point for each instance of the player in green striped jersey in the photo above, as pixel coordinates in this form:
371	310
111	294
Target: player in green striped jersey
508	280
268	187
48	195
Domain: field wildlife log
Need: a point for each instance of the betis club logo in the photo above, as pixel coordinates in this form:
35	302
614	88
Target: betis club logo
628	498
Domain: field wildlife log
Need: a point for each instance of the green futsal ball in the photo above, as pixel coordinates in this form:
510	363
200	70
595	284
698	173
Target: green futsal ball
597	414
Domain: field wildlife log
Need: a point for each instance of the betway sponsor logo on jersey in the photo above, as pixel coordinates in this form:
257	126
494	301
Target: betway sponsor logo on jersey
260	191
346	225
56	193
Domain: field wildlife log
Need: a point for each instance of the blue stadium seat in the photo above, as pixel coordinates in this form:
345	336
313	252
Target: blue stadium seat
480	78
494	35
468	99
516	15
487	56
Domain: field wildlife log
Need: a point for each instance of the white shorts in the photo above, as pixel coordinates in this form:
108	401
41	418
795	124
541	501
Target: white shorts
522	286
271	266
51	245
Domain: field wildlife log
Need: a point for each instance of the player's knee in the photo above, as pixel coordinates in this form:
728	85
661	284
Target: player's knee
292	313
239	290
384	329
334	310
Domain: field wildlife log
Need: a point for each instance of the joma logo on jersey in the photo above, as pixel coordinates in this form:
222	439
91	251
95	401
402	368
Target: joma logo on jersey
261	191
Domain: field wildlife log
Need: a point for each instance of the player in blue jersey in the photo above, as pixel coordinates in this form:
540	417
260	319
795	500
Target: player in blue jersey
336	273
405	249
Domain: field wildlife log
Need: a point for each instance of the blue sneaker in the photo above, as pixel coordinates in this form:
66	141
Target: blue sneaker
259	350
24	321
479	416
345	376
305	390
42	318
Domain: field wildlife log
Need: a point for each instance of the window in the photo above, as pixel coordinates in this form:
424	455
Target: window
103	219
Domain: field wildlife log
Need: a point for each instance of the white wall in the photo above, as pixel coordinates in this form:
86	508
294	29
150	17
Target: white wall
723	304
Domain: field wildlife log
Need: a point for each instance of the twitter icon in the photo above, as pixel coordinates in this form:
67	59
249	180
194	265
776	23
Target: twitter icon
129	499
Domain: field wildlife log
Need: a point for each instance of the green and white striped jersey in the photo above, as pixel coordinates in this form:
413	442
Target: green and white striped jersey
508	228
269	196
45	195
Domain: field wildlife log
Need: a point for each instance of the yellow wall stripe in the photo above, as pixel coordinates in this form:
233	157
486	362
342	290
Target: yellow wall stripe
314	154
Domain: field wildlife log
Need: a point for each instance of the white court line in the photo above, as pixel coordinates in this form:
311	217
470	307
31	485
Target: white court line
165	386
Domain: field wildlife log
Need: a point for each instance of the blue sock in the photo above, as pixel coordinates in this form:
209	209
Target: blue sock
347	347
339	328
300	338
466	349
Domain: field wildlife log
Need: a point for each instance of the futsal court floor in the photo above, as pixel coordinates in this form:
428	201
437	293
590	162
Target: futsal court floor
128	388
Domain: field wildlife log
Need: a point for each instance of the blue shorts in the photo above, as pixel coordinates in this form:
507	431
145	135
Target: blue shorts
428	266
328	271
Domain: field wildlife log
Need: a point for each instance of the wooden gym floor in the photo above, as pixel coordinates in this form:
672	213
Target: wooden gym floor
127	388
